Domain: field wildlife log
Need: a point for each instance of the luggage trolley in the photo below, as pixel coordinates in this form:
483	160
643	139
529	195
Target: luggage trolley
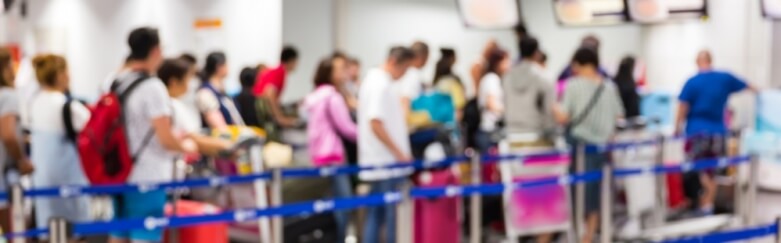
534	211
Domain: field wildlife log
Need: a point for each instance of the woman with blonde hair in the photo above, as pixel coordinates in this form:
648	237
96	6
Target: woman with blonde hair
54	120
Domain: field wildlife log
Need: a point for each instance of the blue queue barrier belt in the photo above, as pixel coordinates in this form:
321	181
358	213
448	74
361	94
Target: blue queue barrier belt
81	190
85	229
731	235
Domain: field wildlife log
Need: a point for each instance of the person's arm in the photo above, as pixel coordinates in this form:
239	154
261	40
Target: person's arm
494	105
680	117
215	120
209	107
8	128
276	108
378	128
340	116
209	146
162	129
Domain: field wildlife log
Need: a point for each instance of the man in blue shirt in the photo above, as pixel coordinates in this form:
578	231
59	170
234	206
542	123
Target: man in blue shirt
702	103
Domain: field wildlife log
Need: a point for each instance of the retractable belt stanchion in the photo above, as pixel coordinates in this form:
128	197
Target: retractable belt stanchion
59	230
18	222
261	196
580	206
661	186
475	212
778	230
606	194
751	194
276	201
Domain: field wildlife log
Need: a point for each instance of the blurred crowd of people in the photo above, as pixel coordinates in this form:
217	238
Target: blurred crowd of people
371	119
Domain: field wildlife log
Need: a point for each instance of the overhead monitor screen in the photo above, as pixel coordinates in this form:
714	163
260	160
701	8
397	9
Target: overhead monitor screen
490	14
771	9
590	12
653	11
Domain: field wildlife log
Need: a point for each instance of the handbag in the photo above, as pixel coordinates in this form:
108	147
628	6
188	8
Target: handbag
582	116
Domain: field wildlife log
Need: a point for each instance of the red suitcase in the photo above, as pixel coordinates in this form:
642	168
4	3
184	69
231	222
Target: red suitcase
206	233
437	220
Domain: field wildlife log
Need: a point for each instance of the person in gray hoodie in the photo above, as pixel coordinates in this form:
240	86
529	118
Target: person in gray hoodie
530	93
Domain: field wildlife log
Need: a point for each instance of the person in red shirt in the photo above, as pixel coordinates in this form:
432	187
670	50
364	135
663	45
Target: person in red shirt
269	86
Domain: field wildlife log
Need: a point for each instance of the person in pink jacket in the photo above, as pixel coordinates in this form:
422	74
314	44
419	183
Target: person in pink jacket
329	123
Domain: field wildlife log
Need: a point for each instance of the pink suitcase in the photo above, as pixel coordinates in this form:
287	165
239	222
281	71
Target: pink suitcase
540	206
437	220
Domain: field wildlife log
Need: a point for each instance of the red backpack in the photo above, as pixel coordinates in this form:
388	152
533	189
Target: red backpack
103	144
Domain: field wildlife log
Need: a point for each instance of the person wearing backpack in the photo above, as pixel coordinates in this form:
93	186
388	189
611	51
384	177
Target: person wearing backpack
147	116
217	109
12	156
590	111
53	119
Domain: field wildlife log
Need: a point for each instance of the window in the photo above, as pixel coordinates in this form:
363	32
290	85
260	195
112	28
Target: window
590	12
489	14
652	11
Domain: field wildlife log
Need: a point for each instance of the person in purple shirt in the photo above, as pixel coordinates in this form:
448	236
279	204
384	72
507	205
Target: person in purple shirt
702	103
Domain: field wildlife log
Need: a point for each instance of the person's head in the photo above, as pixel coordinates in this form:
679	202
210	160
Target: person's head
530	49
247	77
330	71
145	48
420	50
590	41
445	64
585	62
627	66
543	61
520	31
289	58
190	59
497	62
216	66
6	68
353	69
51	72
175	74
490	47
399	60
704	60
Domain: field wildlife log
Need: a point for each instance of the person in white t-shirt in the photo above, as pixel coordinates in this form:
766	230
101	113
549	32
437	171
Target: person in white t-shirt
383	136
490	98
150	135
175	74
411	85
53	151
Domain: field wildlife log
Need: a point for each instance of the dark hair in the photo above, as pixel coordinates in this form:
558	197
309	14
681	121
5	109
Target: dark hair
173	68
189	58
445	64
142	41
213	62
353	61
590	41
400	54
339	54
520	30
495	61
324	72
5	66
528	47
543	57
625	82
289	53
586	56
247	77
419	49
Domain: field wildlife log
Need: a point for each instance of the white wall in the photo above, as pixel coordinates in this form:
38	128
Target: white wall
560	42
92	33
372	27
735	33
308	25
